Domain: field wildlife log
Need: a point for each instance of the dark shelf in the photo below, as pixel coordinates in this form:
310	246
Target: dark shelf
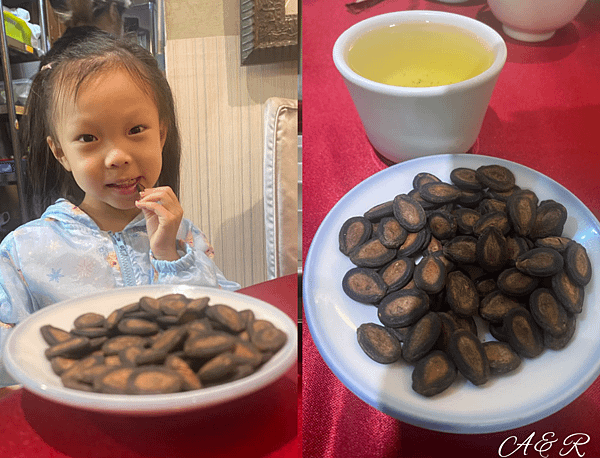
8	175
18	109
20	52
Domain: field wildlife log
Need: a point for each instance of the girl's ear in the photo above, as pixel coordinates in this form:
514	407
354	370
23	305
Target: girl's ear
58	153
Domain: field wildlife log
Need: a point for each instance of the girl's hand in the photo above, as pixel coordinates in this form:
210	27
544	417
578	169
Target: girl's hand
163	215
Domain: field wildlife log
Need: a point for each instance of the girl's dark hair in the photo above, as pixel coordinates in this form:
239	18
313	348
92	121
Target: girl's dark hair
59	82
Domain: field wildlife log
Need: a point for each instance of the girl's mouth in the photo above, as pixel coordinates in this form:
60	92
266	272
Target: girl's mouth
126	187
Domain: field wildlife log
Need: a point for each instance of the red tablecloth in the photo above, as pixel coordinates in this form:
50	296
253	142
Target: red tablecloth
544	113
263	424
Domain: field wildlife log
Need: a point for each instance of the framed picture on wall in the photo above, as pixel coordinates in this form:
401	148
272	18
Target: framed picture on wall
269	31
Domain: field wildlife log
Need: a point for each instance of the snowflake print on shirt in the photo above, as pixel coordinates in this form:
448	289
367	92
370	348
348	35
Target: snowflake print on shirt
55	275
85	267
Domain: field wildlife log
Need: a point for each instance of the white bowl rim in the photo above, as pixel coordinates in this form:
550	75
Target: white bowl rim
457	20
159	404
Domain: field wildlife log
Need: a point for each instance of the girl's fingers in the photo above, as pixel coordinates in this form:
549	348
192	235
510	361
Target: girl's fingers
162	198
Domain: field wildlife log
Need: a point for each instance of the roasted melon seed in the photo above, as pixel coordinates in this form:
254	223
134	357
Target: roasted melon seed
569	293
422	178
440	193
442	224
470	199
226	316
173	307
466	218
372	253
189	380
153	380
208	345
403	308
150	305
218	367
540	262
578	264
560	244
390	233
421	337
113	381
496	177
499	220
447	329
433	374
462	249
560	342
515	283
515	247
465	178
495	306
137	326
469	356
74	347
491	249
491	205
522	210
92	333
550	220
354	232
524	335
430	274
113	319
397	273
466	323
547	312
53	335
115	344
269	339
415	241
378	343
379	211
364	285
461	294
409	213
501	357
89	320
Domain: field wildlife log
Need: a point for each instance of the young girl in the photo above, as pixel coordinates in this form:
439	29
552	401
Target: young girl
101	121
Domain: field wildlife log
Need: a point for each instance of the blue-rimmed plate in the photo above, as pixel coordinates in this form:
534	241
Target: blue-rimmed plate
537	389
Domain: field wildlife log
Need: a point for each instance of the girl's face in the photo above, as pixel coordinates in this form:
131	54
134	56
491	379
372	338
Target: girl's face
111	139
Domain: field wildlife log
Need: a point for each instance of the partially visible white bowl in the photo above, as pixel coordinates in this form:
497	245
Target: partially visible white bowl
25	361
534	20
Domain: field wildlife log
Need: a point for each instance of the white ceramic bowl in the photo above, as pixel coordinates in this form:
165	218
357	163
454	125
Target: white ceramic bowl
534	20
407	122
24	353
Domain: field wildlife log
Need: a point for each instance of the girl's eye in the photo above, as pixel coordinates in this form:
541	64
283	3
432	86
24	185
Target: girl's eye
137	130
86	138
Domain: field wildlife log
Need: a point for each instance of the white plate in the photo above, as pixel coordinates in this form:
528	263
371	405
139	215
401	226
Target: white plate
25	361
540	387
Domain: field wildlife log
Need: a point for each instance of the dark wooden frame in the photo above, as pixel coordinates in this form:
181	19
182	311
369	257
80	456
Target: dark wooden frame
268	35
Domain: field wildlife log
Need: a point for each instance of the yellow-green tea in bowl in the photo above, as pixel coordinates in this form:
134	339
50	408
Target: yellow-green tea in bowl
419	55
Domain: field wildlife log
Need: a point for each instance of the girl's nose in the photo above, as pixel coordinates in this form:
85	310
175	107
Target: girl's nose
117	157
